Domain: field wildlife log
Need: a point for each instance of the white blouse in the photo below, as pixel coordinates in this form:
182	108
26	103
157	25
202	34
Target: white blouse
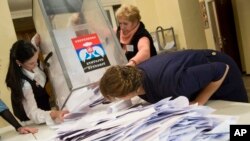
34	113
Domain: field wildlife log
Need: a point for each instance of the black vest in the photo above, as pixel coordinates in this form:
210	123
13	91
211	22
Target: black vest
141	32
41	97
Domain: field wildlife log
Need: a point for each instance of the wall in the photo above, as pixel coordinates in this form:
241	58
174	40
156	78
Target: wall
241	13
148	12
168	14
209	38
209	33
192	24
7	37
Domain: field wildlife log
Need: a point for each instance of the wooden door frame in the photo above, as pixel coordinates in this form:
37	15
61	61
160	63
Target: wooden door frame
228	33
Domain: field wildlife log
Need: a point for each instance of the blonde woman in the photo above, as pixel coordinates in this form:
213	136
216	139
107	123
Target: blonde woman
134	38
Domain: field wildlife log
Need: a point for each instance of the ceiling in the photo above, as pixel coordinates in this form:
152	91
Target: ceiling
23	8
20	8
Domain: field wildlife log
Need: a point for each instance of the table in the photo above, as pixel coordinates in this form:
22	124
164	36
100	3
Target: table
242	110
44	134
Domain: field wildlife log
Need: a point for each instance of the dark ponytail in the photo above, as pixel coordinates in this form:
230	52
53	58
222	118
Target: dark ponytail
22	51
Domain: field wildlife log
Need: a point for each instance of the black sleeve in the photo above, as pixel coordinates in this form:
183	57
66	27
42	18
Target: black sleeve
8	116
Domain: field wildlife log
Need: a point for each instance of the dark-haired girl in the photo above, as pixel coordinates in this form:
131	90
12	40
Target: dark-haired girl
26	81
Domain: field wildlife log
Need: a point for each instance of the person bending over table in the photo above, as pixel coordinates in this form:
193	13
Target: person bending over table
199	75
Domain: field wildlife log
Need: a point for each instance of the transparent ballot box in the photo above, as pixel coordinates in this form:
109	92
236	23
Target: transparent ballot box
77	42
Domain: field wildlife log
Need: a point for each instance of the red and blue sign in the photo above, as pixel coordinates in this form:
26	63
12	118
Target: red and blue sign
90	52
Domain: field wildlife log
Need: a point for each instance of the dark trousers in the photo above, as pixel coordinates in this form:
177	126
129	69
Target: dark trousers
232	88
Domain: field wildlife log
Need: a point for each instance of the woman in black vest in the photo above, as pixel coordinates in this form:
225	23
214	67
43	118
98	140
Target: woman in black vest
26	81
134	38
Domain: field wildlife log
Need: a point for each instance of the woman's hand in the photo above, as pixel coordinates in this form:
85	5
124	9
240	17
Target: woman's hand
131	62
36	40
58	116
27	130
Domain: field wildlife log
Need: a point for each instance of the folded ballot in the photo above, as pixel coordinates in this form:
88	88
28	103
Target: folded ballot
119	105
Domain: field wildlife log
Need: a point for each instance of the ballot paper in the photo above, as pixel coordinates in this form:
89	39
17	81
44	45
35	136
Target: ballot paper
165	120
81	102
119	105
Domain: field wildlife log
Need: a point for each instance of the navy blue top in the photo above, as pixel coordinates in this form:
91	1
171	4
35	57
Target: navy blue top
186	73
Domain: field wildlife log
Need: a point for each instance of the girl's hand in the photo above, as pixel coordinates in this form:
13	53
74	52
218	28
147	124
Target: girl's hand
36	40
27	130
58	116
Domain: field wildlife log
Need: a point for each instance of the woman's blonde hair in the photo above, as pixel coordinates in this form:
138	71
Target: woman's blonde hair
130	12
119	81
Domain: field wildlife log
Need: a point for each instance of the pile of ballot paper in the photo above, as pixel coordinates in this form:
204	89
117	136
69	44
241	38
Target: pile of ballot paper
166	120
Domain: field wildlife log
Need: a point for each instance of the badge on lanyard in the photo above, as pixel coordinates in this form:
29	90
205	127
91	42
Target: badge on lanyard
130	48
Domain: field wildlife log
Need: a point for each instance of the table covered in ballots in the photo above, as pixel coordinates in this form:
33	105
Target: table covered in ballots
169	119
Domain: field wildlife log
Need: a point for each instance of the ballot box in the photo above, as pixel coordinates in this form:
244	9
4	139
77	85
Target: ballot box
77	42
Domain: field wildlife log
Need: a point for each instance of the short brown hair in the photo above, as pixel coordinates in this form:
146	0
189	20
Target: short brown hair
118	81
130	12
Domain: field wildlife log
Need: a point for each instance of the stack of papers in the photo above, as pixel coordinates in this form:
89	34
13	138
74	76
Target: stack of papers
81	102
167	120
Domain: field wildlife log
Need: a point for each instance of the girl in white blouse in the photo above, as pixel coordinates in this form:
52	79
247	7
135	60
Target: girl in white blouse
26	81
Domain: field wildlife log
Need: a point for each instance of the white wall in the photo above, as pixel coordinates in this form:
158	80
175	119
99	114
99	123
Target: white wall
7	38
